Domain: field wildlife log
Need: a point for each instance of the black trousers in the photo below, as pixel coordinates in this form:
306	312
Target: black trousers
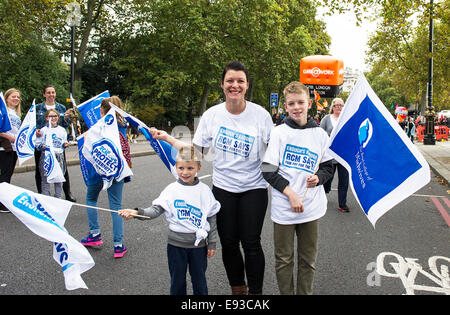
240	221
37	174
7	164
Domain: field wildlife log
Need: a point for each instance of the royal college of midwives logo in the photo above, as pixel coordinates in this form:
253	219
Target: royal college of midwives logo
365	132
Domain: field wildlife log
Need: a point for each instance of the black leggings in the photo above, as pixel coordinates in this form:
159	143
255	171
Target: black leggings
240	219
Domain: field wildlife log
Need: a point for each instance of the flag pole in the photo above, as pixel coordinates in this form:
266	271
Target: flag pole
109	210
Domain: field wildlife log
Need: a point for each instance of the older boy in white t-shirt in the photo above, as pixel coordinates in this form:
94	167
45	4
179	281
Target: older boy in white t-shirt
296	164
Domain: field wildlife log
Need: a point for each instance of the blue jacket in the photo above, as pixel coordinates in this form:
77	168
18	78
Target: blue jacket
40	115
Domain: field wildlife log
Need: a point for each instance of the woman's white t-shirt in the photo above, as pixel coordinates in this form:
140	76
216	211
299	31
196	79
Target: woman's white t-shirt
15	121
297	153
238	143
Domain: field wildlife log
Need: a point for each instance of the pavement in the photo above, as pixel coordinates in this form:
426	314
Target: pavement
437	156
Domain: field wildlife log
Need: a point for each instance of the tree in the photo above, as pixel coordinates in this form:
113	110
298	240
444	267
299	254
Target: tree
399	47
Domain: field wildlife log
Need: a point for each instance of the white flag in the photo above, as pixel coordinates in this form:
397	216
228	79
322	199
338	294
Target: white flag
52	168
45	216
103	150
383	164
26	137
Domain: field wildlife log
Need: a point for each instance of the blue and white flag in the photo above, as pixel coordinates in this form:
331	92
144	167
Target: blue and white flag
46	216
52	169
103	150
383	164
165	151
90	110
89	173
5	124
26	137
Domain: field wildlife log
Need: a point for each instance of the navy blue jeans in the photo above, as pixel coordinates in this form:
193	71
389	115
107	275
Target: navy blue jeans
342	184
179	260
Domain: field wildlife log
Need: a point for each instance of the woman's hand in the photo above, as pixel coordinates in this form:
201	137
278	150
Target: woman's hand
159	134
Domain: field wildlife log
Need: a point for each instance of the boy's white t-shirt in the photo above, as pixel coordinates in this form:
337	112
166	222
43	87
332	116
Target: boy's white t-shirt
187	206
297	153
238	143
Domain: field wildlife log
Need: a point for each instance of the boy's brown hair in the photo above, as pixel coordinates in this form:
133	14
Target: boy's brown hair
189	153
295	87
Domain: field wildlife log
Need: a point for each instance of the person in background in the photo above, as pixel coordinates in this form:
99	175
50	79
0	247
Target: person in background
114	191
49	94
58	136
8	155
328	123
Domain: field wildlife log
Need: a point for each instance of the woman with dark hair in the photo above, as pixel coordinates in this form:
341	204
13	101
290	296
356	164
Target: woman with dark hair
50	102
239	131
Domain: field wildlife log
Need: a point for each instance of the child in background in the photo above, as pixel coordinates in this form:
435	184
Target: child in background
57	136
190	209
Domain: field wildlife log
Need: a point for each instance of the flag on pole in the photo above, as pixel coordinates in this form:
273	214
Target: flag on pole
103	150
5	123
165	151
26	137
46	216
383	164
90	110
316	96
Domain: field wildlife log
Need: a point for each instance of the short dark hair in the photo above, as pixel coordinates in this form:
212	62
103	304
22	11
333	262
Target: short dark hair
48	86
235	65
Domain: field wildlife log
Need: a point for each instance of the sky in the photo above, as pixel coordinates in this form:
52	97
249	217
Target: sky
348	41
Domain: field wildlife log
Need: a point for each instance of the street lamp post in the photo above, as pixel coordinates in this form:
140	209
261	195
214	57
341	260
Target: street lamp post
429	137
73	19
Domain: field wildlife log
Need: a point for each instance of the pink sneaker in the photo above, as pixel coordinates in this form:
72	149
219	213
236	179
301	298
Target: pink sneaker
92	240
119	251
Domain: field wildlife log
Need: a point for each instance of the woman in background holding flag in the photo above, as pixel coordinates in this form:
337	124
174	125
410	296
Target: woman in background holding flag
114	191
328	123
8	155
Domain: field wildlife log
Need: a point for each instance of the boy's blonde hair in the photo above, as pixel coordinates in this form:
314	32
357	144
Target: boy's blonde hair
189	153
295	87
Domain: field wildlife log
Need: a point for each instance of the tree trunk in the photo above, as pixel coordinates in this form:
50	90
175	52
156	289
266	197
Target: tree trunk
204	99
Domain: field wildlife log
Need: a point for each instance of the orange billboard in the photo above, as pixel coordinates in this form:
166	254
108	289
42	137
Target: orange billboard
325	74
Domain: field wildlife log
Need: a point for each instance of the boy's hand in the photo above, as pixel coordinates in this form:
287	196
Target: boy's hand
127	213
210	253
312	181
295	201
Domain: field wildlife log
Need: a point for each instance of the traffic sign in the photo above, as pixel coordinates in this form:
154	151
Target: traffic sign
273	99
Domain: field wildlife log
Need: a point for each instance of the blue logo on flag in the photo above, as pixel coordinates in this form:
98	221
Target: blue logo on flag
106	158
32	206
24	140
379	160
49	162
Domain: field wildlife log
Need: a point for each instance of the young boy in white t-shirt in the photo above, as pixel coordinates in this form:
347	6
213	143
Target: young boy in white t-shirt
296	164
190	209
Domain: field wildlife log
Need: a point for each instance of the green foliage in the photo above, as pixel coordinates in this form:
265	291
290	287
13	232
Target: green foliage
30	70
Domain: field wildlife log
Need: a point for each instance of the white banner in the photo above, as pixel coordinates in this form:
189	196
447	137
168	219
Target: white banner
103	150
26	138
45	216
